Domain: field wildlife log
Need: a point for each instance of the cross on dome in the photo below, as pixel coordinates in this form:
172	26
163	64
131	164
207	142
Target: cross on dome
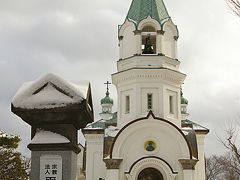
107	83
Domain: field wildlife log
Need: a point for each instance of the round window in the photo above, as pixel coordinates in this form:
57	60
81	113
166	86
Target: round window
150	145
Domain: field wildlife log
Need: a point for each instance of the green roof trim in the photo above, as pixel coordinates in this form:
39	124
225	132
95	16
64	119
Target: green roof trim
141	9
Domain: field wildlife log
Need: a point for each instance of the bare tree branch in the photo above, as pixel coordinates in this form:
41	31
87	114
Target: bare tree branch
234	6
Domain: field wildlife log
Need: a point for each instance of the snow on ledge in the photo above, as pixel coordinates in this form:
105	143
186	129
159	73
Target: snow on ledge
49	91
48	137
111	131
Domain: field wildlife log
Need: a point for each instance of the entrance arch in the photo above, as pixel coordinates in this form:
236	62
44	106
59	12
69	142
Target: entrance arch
150	174
150	165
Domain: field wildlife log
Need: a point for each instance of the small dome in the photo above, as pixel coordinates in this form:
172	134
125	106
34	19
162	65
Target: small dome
184	101
107	99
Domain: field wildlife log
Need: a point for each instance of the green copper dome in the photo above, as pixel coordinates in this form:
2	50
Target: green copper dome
141	9
184	101
107	99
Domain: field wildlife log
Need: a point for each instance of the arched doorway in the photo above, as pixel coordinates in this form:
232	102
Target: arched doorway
150	174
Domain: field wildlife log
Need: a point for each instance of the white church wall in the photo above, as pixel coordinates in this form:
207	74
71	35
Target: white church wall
171	144
95	167
170	31
137	84
128	41
173	115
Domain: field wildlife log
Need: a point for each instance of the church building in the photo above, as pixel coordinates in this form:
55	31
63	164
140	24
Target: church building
150	136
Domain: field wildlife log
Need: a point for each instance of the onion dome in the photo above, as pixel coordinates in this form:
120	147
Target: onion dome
183	100
107	99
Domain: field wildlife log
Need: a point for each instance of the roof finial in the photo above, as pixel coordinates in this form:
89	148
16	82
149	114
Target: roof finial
107	83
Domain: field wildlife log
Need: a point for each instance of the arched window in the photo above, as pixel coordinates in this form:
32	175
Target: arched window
150	174
149	31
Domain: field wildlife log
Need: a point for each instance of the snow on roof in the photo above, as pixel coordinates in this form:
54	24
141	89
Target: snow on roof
49	91
111	131
48	137
195	126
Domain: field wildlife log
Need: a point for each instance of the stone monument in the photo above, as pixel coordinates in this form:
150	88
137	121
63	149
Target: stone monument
55	109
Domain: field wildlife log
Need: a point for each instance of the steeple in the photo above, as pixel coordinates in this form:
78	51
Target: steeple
147	18
141	9
106	104
148	76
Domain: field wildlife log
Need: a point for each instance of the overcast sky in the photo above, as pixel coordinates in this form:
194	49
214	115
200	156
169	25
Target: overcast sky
78	40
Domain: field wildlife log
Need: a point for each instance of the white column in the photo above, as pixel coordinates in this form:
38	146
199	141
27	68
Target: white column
112	174
138	41
188	166
175	47
112	168
188	175
200	167
159	40
95	167
120	44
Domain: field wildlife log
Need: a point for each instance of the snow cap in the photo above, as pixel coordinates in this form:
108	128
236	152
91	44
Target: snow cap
49	91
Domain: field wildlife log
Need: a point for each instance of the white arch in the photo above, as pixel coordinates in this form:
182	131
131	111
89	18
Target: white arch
150	124
126	24
168	25
149	22
151	162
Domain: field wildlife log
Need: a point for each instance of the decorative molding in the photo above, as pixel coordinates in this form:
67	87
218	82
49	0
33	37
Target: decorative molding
175	38
153	162
150	114
93	131
120	38
137	32
112	163
158	75
160	32
188	164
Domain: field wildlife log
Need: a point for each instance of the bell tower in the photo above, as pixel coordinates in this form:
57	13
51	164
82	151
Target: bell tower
148	76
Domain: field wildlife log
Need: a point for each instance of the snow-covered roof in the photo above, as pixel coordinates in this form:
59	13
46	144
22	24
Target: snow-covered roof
48	137
188	125
111	131
102	124
49	91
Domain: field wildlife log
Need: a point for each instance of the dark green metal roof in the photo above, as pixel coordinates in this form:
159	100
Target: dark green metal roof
141	9
184	100
103	124
107	99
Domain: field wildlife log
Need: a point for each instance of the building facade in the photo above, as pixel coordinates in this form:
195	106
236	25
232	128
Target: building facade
150	136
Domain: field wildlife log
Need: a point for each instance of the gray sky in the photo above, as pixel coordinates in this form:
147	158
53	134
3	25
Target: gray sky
77	40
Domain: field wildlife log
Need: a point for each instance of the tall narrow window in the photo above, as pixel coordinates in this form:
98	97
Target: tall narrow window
149	101
171	111
127	104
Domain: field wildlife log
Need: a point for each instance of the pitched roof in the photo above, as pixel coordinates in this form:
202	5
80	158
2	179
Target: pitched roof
102	124
186	124
49	91
141	9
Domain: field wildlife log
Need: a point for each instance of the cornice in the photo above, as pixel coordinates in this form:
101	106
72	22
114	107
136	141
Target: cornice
155	74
